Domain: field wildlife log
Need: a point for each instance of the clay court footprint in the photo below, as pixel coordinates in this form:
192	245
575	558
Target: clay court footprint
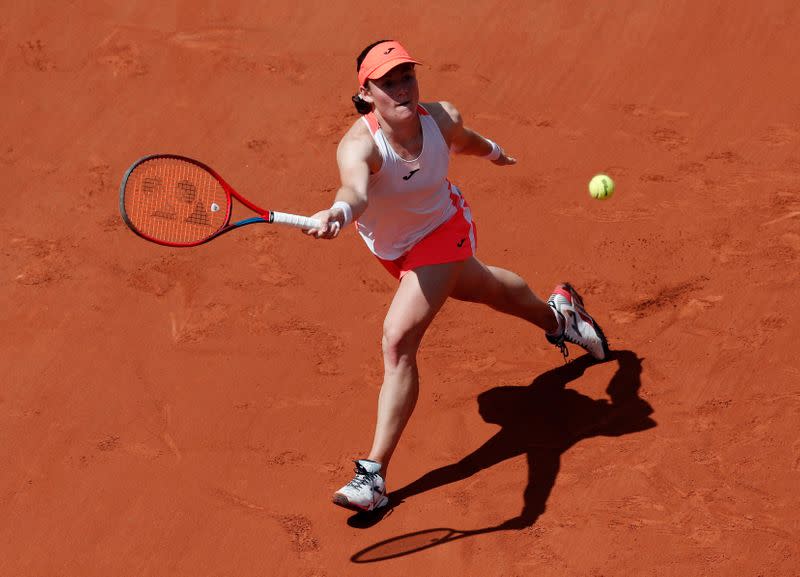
212	39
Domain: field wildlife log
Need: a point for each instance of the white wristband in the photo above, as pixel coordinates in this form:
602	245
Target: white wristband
495	153
346	209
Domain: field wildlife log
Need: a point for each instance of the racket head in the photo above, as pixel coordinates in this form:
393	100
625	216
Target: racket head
174	200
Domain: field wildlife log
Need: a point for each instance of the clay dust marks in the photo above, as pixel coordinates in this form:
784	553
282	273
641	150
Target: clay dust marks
791	215
298	528
197	323
37	56
239	50
667	298
121	53
39	262
779	135
210	40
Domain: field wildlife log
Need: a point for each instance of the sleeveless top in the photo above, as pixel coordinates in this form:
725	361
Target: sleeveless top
408	199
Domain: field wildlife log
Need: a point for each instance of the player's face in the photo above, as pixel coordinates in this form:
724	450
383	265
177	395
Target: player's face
396	93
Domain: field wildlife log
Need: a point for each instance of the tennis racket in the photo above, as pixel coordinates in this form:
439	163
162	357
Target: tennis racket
177	201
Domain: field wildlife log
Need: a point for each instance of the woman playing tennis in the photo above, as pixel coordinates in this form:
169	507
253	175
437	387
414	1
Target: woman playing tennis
393	165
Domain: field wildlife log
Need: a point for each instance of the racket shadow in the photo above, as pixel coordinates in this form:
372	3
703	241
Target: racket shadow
415	542
542	421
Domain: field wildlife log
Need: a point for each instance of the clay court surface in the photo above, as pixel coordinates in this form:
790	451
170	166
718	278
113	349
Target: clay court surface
169	412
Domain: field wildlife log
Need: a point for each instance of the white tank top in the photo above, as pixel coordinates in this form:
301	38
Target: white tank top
408	199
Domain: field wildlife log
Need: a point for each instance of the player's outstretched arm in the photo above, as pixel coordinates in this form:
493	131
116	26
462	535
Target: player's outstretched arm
352	156
463	140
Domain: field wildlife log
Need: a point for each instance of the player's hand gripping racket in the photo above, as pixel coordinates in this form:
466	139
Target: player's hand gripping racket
176	201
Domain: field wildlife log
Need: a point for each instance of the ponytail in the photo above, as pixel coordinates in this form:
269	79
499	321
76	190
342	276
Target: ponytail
362	106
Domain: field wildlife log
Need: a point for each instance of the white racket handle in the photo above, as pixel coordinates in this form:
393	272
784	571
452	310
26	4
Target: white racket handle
295	220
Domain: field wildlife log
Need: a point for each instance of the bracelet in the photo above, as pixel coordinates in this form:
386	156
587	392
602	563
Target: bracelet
495	152
346	209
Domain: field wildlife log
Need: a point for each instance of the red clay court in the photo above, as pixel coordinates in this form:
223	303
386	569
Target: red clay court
188	412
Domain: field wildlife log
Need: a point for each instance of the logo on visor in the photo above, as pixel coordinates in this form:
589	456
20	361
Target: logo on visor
389	50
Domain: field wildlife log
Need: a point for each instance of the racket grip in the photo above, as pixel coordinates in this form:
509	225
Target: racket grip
294	220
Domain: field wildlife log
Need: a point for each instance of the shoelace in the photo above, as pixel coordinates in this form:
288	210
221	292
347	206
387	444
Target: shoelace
563	348
363	477
559	343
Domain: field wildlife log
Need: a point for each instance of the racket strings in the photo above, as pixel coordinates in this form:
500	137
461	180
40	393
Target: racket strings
175	201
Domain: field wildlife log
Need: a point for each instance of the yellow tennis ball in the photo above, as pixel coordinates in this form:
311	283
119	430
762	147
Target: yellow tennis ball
601	187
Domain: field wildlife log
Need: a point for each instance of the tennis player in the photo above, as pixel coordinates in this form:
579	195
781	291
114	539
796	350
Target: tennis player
393	164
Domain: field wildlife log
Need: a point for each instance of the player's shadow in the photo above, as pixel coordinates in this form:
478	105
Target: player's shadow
542	421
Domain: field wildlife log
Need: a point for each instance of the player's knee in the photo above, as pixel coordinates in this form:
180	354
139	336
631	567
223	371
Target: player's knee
399	340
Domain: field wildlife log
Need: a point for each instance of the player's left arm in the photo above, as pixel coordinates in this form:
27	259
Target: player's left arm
464	140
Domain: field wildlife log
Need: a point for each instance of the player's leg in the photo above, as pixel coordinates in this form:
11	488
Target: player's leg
420	295
504	291
563	317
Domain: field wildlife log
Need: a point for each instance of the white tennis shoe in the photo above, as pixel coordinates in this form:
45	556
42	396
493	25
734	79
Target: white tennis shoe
575	325
367	490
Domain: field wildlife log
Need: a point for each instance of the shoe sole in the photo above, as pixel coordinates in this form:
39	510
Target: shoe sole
579	300
342	501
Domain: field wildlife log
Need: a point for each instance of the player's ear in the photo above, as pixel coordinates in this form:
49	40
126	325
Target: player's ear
366	94
363	106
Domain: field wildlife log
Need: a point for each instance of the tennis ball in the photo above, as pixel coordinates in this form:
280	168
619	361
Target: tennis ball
601	187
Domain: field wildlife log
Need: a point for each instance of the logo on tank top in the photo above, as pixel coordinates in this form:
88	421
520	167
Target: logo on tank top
410	174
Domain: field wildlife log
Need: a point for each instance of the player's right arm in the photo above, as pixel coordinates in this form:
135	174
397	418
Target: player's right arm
355	156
